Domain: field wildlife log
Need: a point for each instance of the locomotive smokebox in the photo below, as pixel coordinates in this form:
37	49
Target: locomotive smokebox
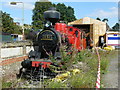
52	15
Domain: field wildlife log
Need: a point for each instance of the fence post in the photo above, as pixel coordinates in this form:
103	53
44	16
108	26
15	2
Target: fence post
0	49
24	49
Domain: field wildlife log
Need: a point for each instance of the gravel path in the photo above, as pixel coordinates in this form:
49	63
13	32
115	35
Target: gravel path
110	79
9	72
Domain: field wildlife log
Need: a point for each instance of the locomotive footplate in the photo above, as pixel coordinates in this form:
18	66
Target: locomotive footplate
36	69
41	63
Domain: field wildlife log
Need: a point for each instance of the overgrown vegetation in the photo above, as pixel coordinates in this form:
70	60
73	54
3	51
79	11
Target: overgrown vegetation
88	70
87	62
6	84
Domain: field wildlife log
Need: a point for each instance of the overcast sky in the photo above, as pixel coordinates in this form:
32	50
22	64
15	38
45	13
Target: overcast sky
107	9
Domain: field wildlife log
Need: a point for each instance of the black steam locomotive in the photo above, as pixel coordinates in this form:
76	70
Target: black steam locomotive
48	42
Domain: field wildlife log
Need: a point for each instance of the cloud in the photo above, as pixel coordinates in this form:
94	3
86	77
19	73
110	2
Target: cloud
28	6
18	0
17	19
113	12
63	0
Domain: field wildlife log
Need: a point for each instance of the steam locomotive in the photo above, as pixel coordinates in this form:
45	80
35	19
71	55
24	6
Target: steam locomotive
49	40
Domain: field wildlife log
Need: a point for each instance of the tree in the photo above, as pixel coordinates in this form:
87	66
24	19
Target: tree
8	25
27	28
98	19
70	14
17	29
116	27
67	13
105	19
62	9
38	19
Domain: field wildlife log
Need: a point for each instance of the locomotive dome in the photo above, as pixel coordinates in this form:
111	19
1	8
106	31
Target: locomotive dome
52	15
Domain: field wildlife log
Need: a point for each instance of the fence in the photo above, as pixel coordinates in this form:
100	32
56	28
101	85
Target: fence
6	38
15	49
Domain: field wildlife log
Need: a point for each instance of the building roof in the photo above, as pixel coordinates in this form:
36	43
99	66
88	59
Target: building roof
86	20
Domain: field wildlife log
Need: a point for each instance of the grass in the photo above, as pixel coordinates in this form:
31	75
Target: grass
6	84
87	76
88	72
53	84
82	80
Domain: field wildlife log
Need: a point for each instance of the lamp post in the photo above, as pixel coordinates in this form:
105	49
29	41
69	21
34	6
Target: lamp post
15	3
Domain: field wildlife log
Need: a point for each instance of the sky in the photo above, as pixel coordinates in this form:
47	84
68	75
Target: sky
90	8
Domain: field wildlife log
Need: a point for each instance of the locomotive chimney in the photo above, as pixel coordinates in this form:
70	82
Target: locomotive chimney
52	15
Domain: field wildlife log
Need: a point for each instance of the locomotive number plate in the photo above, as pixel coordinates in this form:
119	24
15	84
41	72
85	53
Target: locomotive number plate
46	37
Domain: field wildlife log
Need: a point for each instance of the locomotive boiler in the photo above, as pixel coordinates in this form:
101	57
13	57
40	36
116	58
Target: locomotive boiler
49	40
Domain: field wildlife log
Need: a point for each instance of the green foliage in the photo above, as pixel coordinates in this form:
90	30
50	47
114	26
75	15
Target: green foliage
104	65
40	8
98	19
27	28
67	13
90	59
8	25
6	84
54	84
116	27
105	19
83	80
68	59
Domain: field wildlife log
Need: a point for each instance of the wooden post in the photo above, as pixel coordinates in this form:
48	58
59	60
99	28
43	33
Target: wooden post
24	49
0	49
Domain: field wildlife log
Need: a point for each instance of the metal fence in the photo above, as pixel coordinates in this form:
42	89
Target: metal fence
6	38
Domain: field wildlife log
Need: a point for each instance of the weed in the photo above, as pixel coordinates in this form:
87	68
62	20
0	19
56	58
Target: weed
86	78
6	84
55	84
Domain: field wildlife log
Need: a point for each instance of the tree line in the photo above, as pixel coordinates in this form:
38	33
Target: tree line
9	26
67	15
114	28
